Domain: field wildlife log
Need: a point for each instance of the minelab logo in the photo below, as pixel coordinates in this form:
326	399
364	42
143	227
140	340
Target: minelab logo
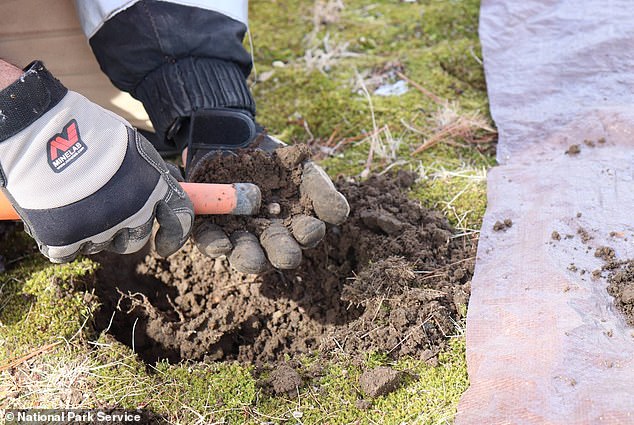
64	148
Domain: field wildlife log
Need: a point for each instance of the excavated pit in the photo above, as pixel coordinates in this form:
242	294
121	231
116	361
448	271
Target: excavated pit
393	279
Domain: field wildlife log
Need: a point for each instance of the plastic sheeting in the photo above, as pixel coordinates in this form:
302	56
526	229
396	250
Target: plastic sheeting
545	344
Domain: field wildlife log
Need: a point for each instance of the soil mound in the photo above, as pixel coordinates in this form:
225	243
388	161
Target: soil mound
391	279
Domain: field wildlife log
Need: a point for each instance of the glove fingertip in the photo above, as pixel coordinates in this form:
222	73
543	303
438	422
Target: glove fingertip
175	226
308	231
46	251
329	204
332	208
211	240
247	255
282	250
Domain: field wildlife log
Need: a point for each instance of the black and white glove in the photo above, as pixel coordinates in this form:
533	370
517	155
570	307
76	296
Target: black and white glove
80	177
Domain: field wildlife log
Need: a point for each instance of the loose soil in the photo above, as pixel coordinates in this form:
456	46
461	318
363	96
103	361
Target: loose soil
621	286
392	279
284	380
620	276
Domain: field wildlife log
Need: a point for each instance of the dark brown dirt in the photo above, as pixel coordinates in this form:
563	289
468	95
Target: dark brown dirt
285	380
277	174
391	279
380	381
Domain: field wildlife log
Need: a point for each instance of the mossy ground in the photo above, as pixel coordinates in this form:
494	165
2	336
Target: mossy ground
318	66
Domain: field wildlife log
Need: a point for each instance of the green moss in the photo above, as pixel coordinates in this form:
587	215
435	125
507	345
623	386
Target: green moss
278	34
223	391
181	393
41	303
428	396
227	391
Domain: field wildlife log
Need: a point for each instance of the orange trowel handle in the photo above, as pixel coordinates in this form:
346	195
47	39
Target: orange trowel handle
208	198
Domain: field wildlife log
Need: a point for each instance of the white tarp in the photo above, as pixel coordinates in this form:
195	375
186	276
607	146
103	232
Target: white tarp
545	344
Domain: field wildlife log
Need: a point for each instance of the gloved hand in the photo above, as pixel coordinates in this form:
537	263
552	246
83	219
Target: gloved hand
80	177
215	132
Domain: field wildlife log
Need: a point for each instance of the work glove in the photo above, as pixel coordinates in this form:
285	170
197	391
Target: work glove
80	177
219	132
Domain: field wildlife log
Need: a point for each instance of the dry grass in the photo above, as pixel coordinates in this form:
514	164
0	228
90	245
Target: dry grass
49	382
323	53
382	144
455	128
470	180
379	279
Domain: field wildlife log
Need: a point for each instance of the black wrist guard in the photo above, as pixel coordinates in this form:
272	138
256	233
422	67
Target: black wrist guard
175	91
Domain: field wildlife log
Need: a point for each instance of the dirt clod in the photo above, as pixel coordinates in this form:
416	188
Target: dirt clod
620	276
380	381
627	295
585	236
285	380
621	286
605	253
573	150
507	223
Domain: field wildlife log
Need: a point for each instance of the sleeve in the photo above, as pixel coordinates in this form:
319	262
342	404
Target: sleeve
176	57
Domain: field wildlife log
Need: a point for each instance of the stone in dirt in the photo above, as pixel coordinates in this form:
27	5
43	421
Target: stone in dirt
360	278
380	381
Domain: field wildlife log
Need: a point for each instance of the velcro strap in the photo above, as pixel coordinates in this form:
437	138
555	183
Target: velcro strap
216	129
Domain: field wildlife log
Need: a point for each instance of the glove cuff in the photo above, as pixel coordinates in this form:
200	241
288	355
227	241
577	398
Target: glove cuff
177	89
28	98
